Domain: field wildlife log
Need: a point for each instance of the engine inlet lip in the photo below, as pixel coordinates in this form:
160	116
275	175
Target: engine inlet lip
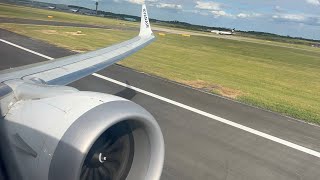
80	136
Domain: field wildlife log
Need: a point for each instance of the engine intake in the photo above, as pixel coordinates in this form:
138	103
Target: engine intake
81	135
110	143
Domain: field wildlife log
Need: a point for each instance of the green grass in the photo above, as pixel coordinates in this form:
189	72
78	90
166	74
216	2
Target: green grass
272	37
13	11
66	37
281	79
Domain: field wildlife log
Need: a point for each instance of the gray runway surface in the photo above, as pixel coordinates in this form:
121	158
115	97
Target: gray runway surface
198	147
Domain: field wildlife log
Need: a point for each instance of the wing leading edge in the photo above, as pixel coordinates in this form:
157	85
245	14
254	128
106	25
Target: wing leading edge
69	69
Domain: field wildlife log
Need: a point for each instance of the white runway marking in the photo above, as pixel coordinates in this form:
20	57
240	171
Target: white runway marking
28	50
192	109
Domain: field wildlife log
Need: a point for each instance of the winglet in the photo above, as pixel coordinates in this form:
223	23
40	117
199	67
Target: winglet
145	27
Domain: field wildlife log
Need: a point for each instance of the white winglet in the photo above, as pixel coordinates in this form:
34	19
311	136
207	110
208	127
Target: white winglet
145	27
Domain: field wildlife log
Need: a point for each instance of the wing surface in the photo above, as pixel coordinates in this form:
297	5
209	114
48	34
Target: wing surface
66	70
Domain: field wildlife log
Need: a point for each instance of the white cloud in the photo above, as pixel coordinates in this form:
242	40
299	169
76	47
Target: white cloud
279	9
290	17
298	18
314	2
221	13
248	15
208	5
197	12
136	1
169	6
243	15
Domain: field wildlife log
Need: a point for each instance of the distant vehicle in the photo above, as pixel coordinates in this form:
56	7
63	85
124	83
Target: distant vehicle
316	45
51	7
74	10
224	32
130	19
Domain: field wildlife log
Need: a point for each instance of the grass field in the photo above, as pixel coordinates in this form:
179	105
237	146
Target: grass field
276	78
13	11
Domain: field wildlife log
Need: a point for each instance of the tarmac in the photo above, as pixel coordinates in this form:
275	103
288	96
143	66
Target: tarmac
206	136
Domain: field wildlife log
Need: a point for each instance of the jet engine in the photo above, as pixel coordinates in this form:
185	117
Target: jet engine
58	132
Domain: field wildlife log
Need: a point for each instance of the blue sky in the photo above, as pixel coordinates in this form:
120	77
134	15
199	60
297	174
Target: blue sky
299	18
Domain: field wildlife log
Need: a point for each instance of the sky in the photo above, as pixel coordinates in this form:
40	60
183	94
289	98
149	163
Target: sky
296	18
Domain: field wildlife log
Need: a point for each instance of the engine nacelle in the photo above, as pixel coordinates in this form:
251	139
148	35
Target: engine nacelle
83	135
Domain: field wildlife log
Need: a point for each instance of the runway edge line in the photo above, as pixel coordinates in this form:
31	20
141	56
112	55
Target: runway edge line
192	109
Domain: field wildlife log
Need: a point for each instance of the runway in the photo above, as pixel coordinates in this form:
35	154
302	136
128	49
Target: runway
197	146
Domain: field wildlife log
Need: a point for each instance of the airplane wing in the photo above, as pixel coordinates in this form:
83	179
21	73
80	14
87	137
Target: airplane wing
58	132
66	70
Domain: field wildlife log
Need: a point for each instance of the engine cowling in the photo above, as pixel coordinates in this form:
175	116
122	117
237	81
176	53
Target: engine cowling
83	135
